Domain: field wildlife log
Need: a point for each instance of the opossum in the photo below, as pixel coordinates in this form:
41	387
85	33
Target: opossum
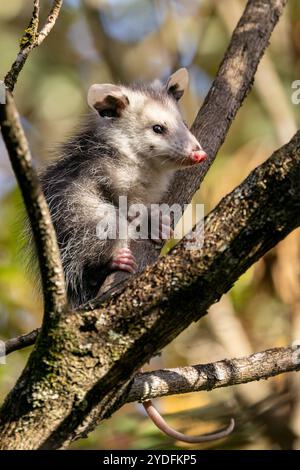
130	145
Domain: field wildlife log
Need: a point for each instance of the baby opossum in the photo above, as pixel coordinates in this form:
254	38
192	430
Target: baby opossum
130	145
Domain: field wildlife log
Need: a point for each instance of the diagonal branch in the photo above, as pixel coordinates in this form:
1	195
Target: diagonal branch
258	366
166	298
231	86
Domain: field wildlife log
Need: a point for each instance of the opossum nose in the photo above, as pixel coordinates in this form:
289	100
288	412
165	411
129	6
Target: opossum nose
198	156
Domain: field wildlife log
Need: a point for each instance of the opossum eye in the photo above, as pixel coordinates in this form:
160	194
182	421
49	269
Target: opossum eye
158	129
107	113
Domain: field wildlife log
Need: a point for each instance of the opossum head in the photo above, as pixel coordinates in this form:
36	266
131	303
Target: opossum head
144	122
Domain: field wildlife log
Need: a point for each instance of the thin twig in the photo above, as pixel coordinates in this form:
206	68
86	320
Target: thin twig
50	21
21	342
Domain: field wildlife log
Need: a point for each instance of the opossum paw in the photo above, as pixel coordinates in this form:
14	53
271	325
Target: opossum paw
123	260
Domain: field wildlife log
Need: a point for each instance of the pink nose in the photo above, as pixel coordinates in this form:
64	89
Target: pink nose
198	156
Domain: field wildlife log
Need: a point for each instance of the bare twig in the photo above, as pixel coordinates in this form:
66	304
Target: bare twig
261	365
31	39
21	342
50	21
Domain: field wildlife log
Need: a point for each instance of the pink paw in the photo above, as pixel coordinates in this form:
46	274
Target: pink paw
123	260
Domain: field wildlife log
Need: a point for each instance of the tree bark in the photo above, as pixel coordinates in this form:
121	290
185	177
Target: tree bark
258	366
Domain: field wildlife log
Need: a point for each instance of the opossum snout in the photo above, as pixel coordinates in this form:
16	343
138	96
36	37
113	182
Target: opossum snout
197	156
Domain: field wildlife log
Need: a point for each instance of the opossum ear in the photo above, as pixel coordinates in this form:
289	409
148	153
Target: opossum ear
108	100
177	83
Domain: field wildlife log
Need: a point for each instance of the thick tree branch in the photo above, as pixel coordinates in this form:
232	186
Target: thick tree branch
154	309
31	39
231	86
258	366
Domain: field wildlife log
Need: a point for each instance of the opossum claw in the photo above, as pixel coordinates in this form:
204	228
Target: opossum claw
123	260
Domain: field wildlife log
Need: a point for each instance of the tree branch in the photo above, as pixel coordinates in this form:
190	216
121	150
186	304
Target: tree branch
31	39
232	84
50	22
21	342
258	366
163	301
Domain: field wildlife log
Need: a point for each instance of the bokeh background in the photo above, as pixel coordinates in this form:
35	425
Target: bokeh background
125	40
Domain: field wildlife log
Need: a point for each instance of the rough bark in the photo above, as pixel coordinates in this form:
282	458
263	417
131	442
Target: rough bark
79	371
